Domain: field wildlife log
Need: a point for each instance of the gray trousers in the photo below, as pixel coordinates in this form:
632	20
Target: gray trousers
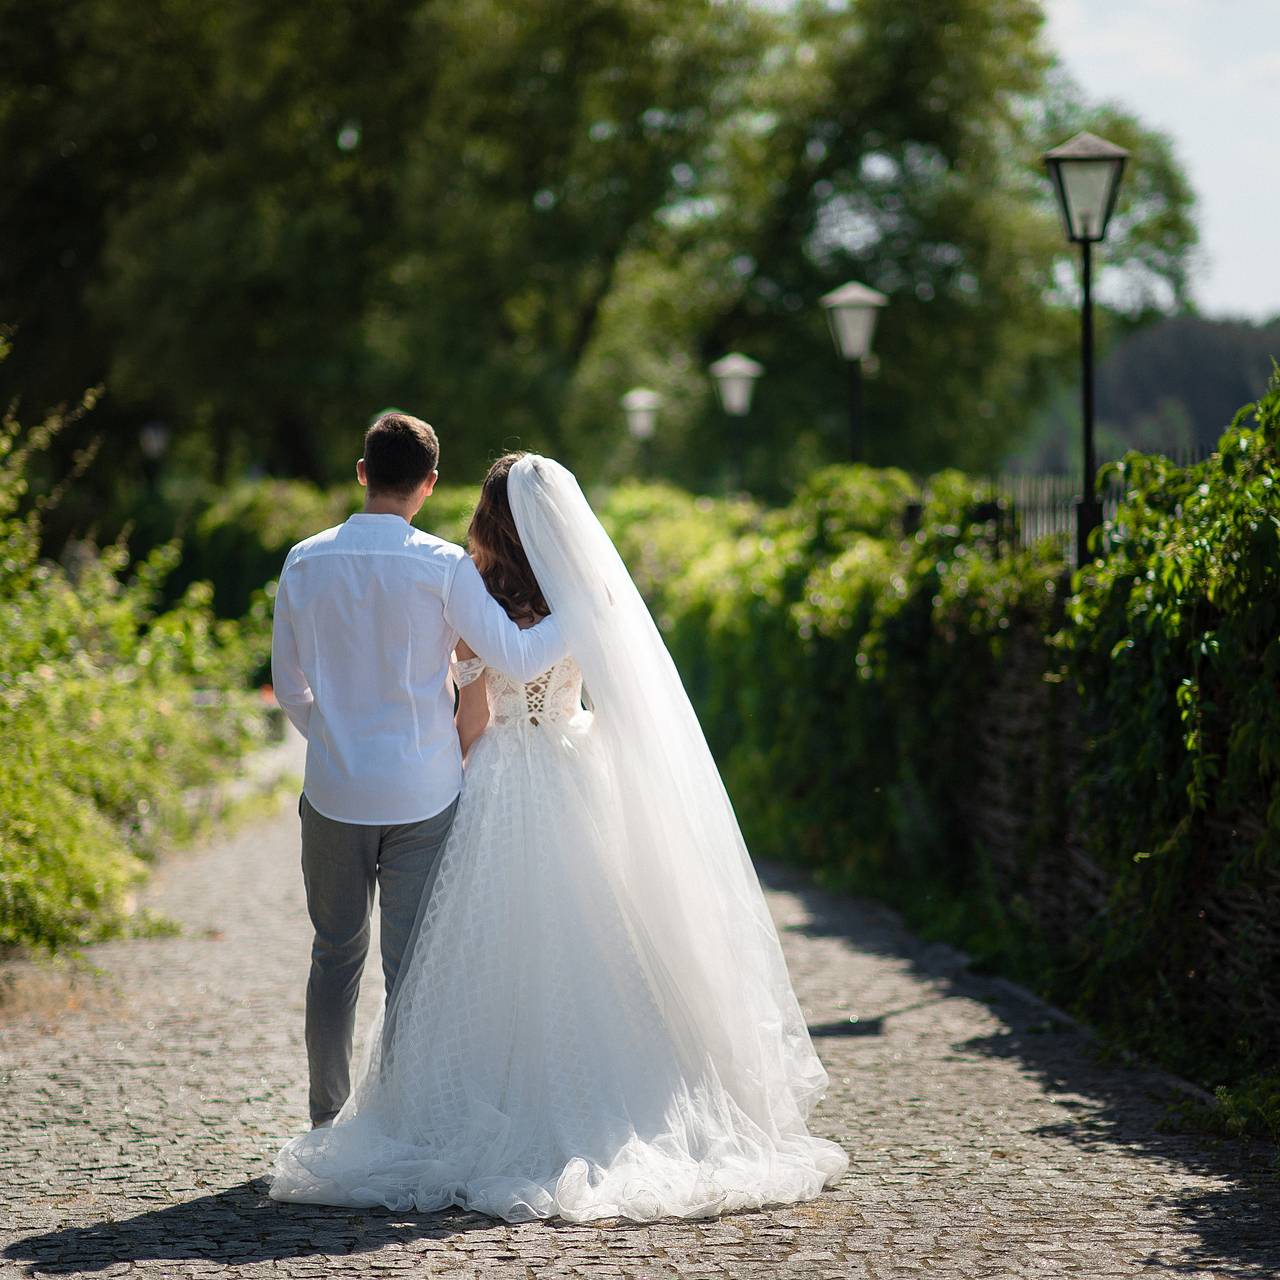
341	863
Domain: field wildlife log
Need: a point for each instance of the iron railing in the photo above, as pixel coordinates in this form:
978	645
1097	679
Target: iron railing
1027	508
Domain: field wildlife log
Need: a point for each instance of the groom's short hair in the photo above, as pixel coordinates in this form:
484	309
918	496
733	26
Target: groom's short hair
400	452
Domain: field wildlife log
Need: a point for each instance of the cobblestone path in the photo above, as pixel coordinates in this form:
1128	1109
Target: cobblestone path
987	1139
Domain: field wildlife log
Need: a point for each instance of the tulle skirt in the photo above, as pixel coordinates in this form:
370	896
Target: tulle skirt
537	1057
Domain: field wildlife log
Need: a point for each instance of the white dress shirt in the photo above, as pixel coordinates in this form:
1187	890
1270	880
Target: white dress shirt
366	617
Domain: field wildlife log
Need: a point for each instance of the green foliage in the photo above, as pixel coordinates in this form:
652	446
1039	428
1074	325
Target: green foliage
1180	626
899	145
1252	1107
100	716
501	214
1077	781
447	513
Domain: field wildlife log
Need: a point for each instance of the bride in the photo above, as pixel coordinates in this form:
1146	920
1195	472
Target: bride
594	1019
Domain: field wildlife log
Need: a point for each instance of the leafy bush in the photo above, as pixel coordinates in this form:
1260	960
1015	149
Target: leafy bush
100	716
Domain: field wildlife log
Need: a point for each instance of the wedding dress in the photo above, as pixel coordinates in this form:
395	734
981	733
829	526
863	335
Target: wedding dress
594	1018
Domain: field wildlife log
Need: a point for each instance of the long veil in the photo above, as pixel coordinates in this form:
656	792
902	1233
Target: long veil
680	856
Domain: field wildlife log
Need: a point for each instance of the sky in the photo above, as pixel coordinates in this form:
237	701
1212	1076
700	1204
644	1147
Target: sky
1207	73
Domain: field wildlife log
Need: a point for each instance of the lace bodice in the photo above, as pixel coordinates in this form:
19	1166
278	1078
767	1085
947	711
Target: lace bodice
553	697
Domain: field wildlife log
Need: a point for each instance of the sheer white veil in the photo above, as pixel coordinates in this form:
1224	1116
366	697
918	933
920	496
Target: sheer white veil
696	903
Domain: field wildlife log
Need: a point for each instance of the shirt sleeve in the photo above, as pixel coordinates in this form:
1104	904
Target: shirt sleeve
292	690
482	622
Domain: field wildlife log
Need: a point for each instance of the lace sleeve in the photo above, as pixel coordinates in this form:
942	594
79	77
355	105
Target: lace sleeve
466	670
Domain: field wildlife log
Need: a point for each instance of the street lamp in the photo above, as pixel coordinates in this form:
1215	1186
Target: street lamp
852	311
735	376
1086	174
641	405
153	440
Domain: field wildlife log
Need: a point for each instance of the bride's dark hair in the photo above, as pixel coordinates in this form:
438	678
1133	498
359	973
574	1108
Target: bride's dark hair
496	548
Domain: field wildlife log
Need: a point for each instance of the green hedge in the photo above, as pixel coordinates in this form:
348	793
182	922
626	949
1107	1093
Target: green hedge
101	717
1174	643
1076	780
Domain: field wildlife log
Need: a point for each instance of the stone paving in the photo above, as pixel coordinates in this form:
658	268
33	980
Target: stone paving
987	1137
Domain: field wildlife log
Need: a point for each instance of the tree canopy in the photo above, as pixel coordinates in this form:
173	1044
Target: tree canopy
263	223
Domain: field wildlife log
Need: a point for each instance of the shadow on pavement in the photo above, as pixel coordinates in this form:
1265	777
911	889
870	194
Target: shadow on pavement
234	1227
1232	1226
1232	1218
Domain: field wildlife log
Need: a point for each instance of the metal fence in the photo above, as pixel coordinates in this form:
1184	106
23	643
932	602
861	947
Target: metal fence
1028	508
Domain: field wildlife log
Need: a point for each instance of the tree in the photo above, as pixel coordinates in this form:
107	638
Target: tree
899	145
263	224
432	222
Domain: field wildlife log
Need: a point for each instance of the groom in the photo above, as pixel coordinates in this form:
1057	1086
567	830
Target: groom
366	616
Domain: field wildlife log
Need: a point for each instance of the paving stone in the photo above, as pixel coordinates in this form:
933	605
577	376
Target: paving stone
138	1123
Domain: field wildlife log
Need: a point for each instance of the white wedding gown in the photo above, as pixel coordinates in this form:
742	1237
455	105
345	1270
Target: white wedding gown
555	1044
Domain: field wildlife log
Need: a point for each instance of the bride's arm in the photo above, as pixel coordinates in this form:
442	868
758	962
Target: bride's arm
472	714
472	612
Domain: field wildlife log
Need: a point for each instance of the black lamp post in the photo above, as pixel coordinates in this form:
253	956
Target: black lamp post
153	440
735	378
1086	174
852	311
641	405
